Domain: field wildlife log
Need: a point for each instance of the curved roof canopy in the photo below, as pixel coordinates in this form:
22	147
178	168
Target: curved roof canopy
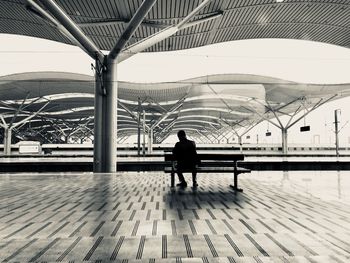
104	21
63	102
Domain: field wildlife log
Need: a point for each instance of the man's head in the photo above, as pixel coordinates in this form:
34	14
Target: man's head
181	135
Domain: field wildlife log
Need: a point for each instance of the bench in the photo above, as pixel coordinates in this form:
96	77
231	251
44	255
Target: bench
211	163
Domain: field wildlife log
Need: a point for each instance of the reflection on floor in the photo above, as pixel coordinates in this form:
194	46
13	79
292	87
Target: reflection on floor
131	217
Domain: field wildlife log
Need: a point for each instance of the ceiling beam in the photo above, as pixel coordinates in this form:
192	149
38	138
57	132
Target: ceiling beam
159	36
134	23
215	27
89	46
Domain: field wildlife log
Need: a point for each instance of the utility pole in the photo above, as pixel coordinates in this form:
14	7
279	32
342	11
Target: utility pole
336	131
139	128
144	134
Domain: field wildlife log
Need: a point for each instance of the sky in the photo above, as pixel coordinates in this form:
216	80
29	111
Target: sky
296	60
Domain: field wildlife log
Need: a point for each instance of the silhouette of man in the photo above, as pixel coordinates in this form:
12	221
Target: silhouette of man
186	155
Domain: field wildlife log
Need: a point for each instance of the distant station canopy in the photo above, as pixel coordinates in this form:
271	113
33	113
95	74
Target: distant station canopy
125	28
55	104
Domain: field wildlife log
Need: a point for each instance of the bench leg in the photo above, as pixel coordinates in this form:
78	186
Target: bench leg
172	179
235	185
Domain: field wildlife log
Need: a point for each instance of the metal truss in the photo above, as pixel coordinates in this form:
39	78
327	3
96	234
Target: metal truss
292	120
12	125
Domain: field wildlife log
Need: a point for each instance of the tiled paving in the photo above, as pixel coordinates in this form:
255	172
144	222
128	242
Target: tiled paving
137	217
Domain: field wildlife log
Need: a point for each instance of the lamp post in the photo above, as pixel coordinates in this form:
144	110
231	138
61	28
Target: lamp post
336	131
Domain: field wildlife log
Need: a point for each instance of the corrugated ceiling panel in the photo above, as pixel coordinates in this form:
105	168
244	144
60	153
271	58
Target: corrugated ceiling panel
241	19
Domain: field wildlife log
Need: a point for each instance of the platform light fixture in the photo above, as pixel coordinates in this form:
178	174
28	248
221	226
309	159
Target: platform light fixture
279	1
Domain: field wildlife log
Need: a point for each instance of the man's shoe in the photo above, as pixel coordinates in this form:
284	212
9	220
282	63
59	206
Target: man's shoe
182	184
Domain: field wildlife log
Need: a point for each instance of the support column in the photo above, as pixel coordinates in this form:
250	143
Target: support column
240	143
98	118
144	135
105	133
106	86
7	141
139	128
150	141
284	140
110	112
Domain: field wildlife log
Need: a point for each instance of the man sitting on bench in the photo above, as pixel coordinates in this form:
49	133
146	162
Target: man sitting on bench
186	156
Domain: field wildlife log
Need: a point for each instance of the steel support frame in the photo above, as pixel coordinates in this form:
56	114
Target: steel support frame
8	127
166	131
284	128
240	135
166	33
162	118
106	69
105	130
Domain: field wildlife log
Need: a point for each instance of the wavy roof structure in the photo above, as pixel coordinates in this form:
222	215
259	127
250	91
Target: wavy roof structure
199	105
324	21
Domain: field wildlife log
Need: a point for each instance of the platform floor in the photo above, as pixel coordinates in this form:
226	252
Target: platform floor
137	217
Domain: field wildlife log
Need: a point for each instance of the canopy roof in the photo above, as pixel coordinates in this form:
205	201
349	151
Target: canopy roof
198	105
104	21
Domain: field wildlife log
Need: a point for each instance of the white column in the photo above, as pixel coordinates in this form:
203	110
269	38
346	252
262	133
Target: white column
110	112
7	141
150	141
240	144
98	118
284	140
105	141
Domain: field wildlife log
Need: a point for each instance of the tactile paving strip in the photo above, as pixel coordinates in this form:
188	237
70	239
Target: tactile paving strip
137	217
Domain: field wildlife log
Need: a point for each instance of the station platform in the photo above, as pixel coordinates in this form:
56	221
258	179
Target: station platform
66	163
296	216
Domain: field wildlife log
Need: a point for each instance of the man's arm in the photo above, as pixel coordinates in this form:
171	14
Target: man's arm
175	150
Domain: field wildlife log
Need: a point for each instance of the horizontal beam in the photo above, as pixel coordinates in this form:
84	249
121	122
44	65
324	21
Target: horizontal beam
109	22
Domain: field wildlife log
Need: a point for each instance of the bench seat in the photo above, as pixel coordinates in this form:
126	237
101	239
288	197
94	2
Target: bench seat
212	169
211	163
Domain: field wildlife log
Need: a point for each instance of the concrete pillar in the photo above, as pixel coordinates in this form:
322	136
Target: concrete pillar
105	133
7	141
284	140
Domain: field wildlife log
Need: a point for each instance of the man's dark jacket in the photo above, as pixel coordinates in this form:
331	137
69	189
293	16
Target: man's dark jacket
186	155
